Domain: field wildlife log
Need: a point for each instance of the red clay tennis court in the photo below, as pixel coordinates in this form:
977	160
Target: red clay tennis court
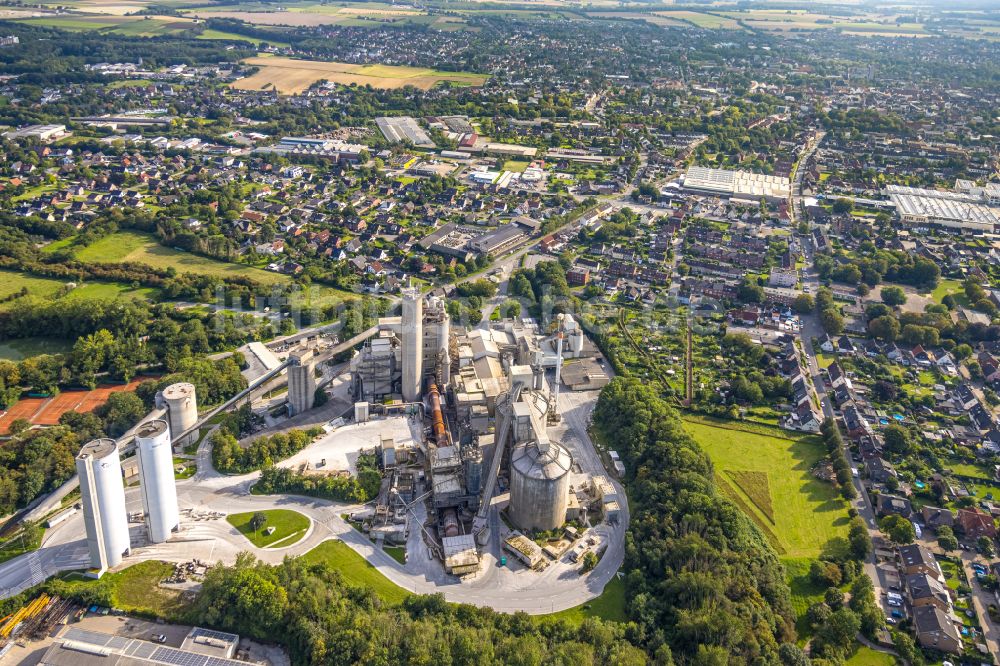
46	411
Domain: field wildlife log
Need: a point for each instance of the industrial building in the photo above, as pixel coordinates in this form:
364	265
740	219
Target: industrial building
337	151
301	380
44	133
80	647
156	480
487	409
404	129
737	184
182	412
102	493
962	210
405	352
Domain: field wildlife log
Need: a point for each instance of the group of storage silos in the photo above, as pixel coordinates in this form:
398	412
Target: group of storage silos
102	489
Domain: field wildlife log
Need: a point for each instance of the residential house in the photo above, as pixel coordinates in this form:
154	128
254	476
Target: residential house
915	559
887	505
927	591
880	470
974	523
935	517
935	630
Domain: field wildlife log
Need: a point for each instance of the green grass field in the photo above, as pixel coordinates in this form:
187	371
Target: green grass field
355	569
143	248
609	606
808	513
287	526
22	348
518	166
868	657
804	591
136	589
74	23
232	36
12	282
946	287
968	469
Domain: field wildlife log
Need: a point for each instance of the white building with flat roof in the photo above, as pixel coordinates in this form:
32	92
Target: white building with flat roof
954	210
739	184
43	133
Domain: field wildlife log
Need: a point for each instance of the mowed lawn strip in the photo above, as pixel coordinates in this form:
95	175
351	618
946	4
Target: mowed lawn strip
808	512
355	569
285	523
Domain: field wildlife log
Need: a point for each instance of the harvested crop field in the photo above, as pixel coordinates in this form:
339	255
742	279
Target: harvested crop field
46	411
289	76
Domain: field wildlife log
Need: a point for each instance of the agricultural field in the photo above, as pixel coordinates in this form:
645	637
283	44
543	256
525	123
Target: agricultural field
289	527
289	76
309	14
232	36
355	569
767	474
702	19
650	18
153	26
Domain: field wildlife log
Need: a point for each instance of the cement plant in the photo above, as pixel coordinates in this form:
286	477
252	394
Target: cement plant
491	490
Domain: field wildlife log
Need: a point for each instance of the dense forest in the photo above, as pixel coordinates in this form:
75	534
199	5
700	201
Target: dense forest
702	581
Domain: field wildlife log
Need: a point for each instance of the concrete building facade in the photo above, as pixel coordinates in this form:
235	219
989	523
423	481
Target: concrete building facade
301	380
412	334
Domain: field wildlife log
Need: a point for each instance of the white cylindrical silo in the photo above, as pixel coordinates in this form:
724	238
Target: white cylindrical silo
182	410
156	479
102	492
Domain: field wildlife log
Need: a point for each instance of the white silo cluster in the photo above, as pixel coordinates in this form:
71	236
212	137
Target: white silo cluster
102	491
156	479
182	410
103	495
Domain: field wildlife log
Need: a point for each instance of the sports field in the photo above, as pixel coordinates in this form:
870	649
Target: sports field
767	476
46	411
289	76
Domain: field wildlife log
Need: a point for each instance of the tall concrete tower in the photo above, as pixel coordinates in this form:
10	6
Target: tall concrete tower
102	493
301	380
436	334
413	345
182	411
156	478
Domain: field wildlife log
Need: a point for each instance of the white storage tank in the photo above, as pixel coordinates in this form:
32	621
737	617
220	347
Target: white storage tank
539	484
156	479
102	492
182	410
